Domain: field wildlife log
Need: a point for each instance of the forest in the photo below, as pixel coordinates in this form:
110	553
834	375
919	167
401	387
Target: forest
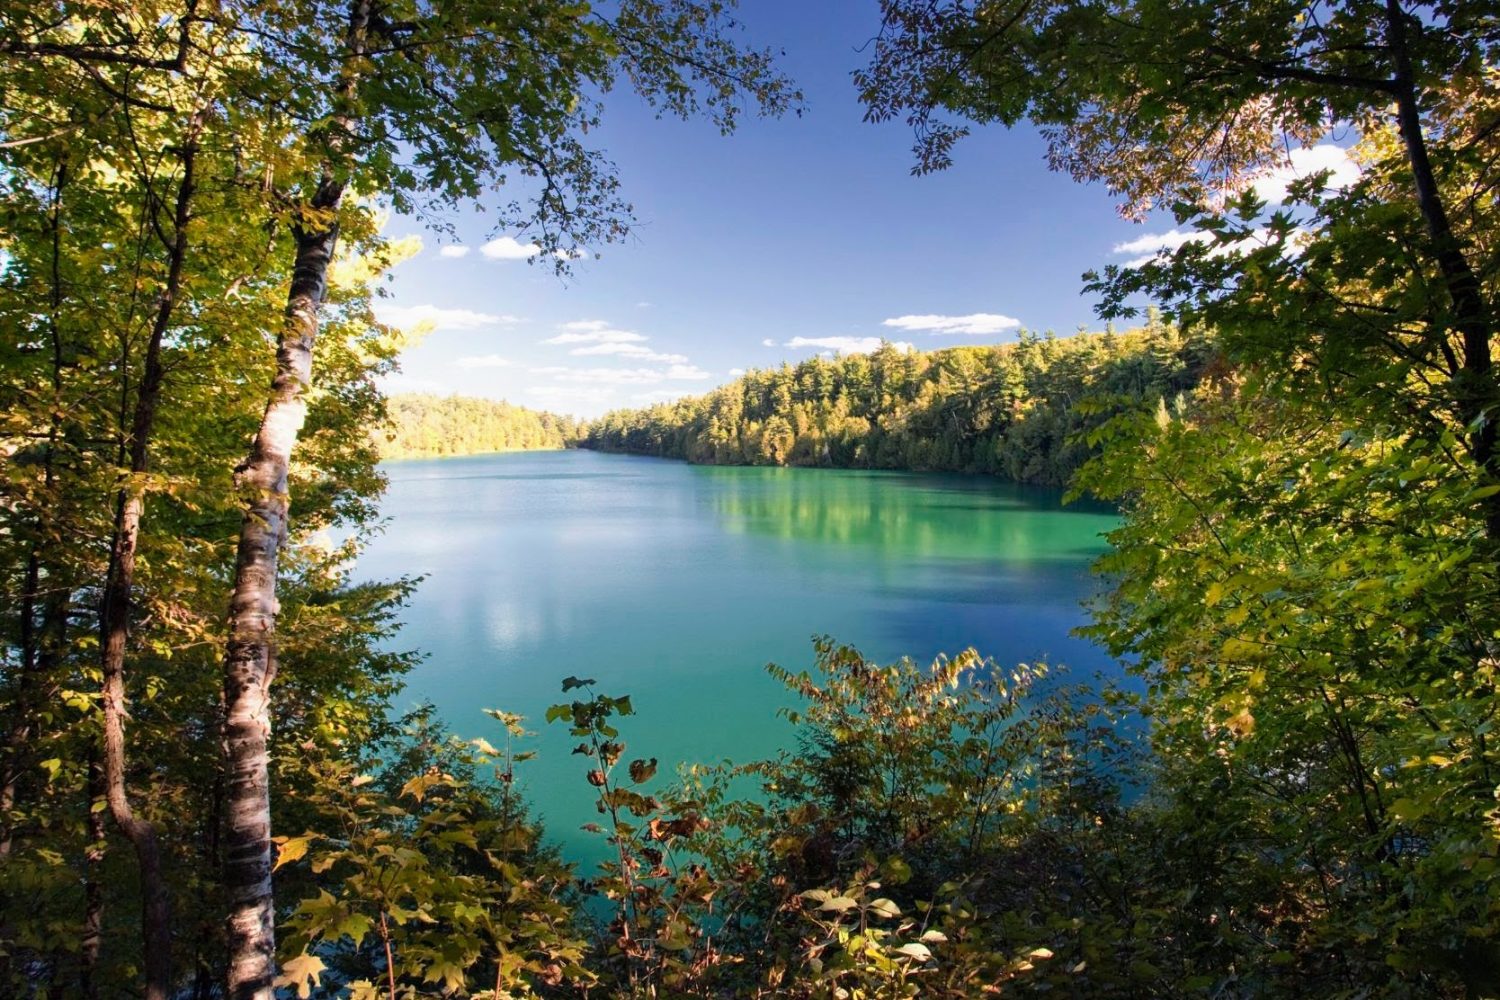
205	791
1018	411
427	426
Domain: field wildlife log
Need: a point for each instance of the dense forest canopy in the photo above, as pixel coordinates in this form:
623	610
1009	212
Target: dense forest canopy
1300	799
1018	410
427	426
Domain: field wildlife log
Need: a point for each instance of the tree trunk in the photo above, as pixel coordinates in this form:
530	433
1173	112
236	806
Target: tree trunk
93	886
250	660
114	624
1476	392
250	657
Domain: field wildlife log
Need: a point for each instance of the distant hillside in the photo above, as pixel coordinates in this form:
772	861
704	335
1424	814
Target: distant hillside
427	426
1010	410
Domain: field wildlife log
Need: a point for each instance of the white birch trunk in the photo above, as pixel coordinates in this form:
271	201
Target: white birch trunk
250	659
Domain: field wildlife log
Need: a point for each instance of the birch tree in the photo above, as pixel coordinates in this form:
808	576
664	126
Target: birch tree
431	105
124	129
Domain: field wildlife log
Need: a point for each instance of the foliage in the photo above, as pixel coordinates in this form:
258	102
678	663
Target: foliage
939	832
659	903
1305	576
1010	410
425	426
427	878
1316	657
162	164
77	321
1307	568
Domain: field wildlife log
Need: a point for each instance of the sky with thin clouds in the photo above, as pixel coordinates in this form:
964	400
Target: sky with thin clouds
791	238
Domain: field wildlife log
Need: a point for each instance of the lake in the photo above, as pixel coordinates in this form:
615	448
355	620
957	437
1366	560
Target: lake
677	584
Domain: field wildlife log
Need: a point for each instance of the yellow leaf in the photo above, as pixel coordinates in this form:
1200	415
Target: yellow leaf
1241	724
1242	649
301	972
289	849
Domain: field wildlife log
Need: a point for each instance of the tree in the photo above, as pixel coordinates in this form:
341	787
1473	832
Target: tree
1307	686
436	102
430	426
1180	104
130	145
142	103
961	409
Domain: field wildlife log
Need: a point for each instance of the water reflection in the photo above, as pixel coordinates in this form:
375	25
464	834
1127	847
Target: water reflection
677	584
904	515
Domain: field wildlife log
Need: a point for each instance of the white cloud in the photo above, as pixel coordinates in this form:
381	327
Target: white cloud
601	337
624	376
736	372
440	318
629	350
1152	242
593	331
691	373
483	361
1271	185
974	324
509	248
454	251
846	345
768	342
1145	248
597	338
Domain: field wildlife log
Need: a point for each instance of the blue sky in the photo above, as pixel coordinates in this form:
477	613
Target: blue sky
785	239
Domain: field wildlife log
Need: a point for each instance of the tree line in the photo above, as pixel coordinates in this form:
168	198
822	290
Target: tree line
1016	410
428	426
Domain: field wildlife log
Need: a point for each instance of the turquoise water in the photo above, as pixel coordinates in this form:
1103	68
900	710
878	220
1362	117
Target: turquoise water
676	584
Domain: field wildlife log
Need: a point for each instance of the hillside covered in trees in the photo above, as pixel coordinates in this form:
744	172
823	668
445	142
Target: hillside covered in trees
1019	411
428	426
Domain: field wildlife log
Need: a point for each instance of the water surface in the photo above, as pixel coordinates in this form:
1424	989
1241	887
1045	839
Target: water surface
676	584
